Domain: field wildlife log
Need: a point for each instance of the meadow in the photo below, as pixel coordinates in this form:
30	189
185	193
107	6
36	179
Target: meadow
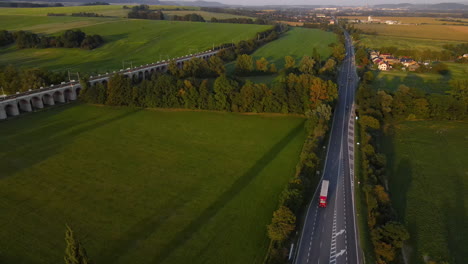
377	41
128	41
296	43
427	174
428	82
143	186
432	32
106	10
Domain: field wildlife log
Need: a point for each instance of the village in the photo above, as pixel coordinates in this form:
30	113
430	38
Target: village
386	61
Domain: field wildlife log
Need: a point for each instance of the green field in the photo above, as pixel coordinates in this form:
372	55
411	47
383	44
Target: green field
433	32
127	41
428	82
404	43
428	176
106	10
206	15
297	42
143	186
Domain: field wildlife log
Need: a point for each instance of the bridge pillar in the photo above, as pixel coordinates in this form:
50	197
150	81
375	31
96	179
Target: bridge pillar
12	109
59	97
37	103
3	114
70	95
48	99
25	105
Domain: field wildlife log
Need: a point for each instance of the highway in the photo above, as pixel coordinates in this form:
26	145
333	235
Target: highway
329	235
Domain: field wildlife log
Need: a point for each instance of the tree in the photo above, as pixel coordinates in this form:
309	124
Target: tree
244	64
224	89
306	65
119	90
247	94
216	65
289	62
75	253
381	194
273	68
339	51
369	121
262	64
282	224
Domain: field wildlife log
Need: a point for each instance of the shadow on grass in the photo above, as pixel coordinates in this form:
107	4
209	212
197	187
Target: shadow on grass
148	226
46	141
456	222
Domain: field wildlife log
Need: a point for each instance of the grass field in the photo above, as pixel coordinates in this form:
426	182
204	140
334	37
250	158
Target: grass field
143	186
297	42
428	82
432	32
206	15
376	42
428	177
136	41
106	10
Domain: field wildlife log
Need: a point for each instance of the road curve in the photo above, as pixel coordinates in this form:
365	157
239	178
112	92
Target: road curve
329	235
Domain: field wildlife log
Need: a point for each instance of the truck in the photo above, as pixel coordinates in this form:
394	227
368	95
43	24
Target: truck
323	194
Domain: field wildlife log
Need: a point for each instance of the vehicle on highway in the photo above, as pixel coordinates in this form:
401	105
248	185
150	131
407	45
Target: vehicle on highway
323	194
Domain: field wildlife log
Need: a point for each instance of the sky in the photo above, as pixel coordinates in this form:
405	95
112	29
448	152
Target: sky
330	2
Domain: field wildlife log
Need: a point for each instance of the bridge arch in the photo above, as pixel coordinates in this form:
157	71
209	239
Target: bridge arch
59	96
25	105
48	99
11	110
36	102
69	95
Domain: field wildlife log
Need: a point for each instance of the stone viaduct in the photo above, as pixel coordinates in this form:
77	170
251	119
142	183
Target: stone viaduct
14	105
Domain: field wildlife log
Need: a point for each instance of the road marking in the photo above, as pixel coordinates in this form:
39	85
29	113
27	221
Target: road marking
341	232
341	252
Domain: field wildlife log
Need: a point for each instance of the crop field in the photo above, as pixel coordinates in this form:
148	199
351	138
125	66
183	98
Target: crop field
377	41
432	32
428	82
128	42
297	42
143	186
428	177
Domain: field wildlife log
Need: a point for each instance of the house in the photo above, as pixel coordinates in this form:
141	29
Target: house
385	55
465	55
332	22
392	60
377	60
413	67
383	66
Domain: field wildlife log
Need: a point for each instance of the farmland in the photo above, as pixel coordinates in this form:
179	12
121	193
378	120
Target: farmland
143	186
432	32
297	42
206	15
128	41
428	82
427	173
377	41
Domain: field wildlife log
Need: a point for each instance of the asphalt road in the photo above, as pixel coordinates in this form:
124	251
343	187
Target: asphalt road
329	235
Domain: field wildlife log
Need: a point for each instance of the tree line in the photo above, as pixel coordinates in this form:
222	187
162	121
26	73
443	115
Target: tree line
68	39
378	112
183	88
144	12
13	79
26	4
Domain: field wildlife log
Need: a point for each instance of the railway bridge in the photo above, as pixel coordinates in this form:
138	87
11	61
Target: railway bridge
14	105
